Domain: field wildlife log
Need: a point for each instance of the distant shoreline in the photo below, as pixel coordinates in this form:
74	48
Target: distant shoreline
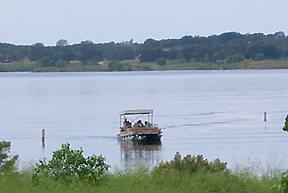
134	67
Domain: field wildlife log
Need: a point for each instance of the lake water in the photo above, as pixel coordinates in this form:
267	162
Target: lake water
215	113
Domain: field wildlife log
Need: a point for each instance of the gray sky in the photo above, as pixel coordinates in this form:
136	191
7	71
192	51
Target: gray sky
30	21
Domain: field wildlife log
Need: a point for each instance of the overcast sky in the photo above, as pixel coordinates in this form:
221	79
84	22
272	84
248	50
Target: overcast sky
30	21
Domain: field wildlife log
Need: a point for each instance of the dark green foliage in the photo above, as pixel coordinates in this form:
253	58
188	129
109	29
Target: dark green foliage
62	43
282	186
192	164
115	66
7	163
229	47
161	61
236	58
285	128
284	183
259	56
70	165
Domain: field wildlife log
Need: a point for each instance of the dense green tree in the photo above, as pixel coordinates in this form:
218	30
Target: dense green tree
62	43
161	61
38	45
7	163
87	42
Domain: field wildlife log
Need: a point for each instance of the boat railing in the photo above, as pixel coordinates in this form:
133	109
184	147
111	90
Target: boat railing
142	129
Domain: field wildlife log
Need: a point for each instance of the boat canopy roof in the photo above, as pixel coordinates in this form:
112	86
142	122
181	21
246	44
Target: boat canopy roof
137	112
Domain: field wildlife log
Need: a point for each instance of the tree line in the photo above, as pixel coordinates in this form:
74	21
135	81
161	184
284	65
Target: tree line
230	47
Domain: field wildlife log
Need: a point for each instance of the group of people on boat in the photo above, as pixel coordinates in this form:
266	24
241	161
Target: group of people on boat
138	124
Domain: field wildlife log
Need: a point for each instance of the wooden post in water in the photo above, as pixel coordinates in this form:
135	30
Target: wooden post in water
265	117
43	139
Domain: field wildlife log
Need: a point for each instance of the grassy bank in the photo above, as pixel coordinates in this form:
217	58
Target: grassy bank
144	182
136	66
69	171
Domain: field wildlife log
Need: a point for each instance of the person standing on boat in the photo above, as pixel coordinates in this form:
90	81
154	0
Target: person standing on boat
140	124
126	123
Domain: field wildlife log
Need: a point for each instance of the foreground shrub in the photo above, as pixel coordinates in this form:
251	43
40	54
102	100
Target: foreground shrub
7	163
70	165
285	128
192	164
282	186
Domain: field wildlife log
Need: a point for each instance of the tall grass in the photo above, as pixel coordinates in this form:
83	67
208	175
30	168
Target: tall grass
146	182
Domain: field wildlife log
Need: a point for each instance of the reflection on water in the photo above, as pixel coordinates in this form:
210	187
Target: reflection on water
135	155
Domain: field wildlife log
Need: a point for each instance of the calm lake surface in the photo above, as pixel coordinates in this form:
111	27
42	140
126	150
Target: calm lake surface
215	113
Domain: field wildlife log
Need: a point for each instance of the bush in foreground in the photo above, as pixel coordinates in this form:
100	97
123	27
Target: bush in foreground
192	164
285	128
282	186
68	165
7	163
